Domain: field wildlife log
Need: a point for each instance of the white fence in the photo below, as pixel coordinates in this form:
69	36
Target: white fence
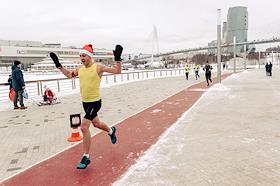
64	86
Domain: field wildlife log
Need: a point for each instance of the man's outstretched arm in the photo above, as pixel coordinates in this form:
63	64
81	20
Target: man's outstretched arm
118	67
67	73
114	70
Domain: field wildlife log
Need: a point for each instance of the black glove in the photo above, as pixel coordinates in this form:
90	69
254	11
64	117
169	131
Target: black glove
118	52
55	60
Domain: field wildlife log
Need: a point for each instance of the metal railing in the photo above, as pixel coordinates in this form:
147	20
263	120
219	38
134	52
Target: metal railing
64	86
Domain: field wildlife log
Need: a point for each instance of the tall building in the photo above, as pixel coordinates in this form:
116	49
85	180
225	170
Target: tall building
237	25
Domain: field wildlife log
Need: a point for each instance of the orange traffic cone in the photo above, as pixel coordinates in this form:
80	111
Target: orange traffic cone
75	136
75	122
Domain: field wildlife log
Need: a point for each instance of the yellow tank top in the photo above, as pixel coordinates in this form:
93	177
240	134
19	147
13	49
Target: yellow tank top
89	83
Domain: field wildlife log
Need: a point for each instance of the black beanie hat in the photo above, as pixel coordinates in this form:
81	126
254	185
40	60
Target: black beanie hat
16	63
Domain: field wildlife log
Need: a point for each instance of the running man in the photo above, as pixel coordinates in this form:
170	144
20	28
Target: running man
196	71
207	70
90	75
187	71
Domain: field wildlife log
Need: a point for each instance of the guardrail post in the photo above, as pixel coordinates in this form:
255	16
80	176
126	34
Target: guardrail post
38	88
41	88
106	79
58	87
115	80
127	76
72	83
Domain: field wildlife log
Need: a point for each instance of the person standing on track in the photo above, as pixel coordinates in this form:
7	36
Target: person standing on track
90	75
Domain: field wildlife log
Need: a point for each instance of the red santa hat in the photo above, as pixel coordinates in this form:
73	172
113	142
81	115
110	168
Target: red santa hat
87	49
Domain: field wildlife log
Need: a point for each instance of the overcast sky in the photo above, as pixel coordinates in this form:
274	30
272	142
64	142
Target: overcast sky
104	23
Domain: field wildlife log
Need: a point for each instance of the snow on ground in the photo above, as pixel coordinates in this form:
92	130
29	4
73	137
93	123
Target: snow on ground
211	141
156	155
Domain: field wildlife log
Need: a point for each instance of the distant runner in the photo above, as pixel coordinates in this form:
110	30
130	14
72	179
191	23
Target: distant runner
187	71
196	71
90	75
207	70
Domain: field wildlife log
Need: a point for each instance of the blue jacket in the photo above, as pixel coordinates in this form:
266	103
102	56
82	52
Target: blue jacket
17	78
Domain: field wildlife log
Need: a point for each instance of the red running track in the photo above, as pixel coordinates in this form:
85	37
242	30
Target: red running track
135	135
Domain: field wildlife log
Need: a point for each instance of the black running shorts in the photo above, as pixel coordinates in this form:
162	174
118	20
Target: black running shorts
91	109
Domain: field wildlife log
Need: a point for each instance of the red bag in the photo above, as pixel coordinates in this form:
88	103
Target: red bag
12	94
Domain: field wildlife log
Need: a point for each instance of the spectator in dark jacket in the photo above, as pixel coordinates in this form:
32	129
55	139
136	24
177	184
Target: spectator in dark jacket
267	69
270	69
18	85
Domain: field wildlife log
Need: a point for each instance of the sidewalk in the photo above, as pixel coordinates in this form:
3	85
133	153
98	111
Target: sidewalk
30	136
135	135
230	137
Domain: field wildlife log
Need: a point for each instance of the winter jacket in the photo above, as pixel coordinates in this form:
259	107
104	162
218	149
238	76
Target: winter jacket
17	78
207	68
187	69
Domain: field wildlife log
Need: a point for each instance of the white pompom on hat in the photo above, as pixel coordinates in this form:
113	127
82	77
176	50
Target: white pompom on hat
87	49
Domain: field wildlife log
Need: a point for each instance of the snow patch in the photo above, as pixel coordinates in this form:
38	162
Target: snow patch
234	76
219	87
156	110
199	89
248	140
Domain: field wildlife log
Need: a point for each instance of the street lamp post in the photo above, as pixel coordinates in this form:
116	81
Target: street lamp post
259	59
219	45
278	59
234	54
244	57
272	57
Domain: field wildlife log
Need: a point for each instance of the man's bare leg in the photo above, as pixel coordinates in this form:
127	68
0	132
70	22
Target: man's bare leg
101	125
86	135
86	144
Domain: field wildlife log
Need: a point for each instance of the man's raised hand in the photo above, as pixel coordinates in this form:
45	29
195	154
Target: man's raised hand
118	52
55	60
